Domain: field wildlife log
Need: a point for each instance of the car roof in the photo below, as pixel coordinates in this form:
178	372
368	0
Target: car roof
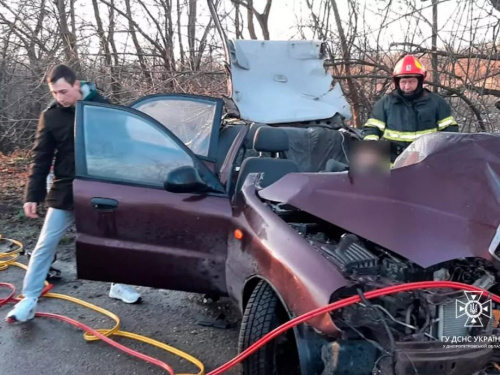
283	82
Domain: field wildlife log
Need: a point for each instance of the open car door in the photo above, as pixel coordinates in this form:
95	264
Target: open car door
130	229
194	119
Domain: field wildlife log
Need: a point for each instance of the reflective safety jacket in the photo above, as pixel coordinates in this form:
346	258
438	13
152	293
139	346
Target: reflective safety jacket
401	121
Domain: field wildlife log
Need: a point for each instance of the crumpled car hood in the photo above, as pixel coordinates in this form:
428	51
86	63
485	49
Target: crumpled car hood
283	81
444	204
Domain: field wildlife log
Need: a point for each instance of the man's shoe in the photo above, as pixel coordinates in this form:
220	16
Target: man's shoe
22	311
125	293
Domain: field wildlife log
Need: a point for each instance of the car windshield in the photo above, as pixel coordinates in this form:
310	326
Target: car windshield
191	121
420	149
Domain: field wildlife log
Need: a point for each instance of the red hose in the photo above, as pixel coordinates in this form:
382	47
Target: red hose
276	332
344	303
4	301
84	327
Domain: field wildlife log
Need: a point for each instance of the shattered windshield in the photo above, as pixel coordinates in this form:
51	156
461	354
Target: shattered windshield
421	148
191	121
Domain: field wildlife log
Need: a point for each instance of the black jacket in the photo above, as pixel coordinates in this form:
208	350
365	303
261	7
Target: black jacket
55	138
401	121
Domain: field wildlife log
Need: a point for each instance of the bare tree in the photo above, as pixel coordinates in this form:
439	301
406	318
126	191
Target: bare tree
128	48
68	36
134	48
105	42
262	18
495	4
462	60
132	30
347	56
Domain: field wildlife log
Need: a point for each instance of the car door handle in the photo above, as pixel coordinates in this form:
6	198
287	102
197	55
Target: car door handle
104	204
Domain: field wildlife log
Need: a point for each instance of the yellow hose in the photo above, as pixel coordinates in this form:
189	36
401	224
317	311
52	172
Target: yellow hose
10	259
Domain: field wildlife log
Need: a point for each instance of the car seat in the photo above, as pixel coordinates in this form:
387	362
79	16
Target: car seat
274	141
227	136
333	165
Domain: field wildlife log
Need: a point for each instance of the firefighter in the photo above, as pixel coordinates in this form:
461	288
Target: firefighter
409	111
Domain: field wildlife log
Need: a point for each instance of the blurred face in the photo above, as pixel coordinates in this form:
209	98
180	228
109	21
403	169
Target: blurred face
367	159
408	84
64	93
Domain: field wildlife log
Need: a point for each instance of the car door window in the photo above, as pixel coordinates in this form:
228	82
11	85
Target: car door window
191	118
122	146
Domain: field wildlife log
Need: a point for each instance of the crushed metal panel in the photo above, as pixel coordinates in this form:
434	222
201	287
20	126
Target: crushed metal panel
444	207
283	81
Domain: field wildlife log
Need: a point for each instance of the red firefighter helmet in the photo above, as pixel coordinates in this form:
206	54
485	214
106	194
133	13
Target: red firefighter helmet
409	66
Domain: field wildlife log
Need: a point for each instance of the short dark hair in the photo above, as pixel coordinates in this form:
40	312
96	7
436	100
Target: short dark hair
62	71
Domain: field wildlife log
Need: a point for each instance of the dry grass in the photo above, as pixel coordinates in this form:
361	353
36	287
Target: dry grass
13	178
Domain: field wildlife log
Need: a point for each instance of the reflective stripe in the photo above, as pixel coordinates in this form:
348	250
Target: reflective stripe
374	123
406	136
371	137
446	122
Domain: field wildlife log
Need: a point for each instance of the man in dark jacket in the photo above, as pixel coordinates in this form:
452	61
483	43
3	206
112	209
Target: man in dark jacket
409	111
55	142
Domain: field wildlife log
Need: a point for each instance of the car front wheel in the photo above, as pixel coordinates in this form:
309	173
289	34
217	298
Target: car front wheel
263	313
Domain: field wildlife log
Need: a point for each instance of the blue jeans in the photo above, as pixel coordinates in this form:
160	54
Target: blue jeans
55	224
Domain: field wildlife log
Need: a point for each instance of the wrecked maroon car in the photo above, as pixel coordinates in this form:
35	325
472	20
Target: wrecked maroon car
237	198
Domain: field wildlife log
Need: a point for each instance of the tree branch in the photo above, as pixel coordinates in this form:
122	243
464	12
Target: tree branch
419	49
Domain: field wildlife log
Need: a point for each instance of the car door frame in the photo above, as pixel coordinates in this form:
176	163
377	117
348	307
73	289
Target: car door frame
81	171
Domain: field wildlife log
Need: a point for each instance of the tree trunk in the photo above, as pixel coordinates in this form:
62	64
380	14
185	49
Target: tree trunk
115	80
179	35
69	39
346	56
435	72
192	33
138	48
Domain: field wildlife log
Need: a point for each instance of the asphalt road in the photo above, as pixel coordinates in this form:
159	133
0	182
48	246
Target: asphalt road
49	347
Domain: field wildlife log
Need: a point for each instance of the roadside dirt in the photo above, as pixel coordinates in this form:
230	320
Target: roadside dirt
13	177
56	348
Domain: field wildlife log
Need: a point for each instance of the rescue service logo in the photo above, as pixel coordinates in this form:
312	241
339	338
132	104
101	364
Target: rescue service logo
473	309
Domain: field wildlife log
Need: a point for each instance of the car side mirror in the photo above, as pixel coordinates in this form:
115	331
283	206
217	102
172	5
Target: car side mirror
185	179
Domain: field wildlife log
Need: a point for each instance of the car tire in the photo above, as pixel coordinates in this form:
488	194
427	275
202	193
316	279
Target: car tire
263	313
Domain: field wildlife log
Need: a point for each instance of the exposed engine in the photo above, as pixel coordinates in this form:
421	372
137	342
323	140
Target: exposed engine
420	332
